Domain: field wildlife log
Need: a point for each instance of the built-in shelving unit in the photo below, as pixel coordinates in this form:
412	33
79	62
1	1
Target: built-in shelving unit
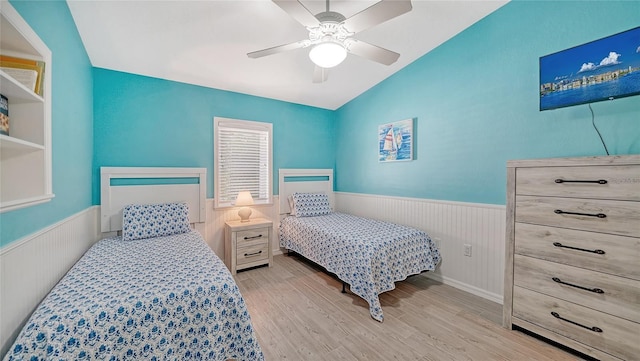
25	154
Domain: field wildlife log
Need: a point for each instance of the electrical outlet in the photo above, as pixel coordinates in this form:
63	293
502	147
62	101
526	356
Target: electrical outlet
467	250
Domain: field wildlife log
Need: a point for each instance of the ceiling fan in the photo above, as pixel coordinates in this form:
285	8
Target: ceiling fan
330	34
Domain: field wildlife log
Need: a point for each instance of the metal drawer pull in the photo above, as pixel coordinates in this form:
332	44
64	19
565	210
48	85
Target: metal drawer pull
594	290
599	215
592	328
599	181
254	237
598	251
252	254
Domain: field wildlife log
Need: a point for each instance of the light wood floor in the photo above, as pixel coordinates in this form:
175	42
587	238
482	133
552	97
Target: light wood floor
299	314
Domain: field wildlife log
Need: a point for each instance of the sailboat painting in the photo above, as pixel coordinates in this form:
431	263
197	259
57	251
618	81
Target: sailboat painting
395	141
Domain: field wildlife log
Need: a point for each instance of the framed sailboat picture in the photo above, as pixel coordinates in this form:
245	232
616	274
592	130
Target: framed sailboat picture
395	141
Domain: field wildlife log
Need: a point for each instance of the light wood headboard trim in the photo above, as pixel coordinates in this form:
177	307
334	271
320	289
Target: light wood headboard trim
286	188
113	198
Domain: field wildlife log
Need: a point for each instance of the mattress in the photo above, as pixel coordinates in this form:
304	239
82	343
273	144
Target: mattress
160	298
369	255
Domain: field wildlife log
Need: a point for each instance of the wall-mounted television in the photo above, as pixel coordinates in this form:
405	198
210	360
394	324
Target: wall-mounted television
604	69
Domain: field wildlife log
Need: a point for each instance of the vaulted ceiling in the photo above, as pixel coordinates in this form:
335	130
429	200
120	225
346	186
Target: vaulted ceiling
206	43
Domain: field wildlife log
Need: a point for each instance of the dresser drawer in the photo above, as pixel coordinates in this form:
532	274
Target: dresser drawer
618	255
617	296
620	182
620	217
618	336
252	237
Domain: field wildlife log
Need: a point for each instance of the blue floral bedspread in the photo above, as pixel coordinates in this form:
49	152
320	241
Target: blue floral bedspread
164	298
367	254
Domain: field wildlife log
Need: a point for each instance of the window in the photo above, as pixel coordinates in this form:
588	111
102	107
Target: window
242	157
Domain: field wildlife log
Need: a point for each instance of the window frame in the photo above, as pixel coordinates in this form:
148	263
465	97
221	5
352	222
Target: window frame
219	122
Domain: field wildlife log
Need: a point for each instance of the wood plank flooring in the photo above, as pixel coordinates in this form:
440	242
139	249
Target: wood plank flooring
299	314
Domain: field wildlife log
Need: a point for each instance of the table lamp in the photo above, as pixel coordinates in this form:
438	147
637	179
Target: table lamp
244	199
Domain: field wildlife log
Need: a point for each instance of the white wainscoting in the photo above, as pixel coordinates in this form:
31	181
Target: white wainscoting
214	232
32	265
452	225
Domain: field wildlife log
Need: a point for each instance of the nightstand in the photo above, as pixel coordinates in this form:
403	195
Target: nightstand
247	244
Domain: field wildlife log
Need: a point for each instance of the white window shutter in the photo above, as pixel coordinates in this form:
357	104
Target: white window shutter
243	160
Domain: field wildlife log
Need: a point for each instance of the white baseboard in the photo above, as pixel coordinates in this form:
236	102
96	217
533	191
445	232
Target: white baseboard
465	287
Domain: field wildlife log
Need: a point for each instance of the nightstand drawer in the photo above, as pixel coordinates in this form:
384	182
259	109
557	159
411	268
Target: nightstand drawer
252	237
255	253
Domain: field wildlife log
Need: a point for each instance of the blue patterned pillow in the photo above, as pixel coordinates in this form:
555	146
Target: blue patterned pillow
311	204
154	220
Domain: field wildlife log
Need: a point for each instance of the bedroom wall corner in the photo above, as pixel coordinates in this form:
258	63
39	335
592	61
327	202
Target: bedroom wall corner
475	102
32	265
452	225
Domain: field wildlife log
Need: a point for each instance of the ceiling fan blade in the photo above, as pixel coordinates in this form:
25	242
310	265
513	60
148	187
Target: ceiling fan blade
320	74
298	12
278	49
372	52
377	14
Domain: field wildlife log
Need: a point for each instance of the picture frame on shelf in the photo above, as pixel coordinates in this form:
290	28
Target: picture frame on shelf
27	72
4	115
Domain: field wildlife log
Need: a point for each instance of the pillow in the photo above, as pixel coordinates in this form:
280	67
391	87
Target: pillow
292	206
311	204
154	220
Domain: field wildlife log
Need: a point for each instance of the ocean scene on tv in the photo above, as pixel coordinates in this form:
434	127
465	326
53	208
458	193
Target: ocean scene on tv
604	69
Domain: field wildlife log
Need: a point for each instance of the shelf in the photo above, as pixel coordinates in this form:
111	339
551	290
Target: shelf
16	92
15	146
25	154
20	203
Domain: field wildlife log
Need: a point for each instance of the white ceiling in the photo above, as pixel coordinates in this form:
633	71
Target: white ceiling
206	42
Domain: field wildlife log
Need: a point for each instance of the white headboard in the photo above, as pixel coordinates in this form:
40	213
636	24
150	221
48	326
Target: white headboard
303	181
114	197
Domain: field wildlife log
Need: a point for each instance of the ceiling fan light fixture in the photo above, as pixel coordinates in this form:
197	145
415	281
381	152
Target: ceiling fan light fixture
328	54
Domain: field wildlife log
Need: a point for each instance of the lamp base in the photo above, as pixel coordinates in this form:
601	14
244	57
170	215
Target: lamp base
244	213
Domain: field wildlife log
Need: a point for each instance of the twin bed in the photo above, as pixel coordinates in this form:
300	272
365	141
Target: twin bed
156	292
367	254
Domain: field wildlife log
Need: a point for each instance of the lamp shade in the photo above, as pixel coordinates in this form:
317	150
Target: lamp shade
244	199
328	54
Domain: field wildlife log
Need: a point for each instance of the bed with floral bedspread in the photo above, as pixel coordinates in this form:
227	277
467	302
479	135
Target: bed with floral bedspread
369	255
161	298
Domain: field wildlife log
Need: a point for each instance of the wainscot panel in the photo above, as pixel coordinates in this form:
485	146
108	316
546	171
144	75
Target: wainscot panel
30	267
452	225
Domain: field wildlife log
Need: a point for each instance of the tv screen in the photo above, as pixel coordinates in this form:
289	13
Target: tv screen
603	69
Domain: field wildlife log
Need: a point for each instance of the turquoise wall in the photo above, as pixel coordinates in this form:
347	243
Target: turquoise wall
142	121
475	104
71	121
474	100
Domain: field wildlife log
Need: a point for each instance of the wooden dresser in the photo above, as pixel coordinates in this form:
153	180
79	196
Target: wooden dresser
572	265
